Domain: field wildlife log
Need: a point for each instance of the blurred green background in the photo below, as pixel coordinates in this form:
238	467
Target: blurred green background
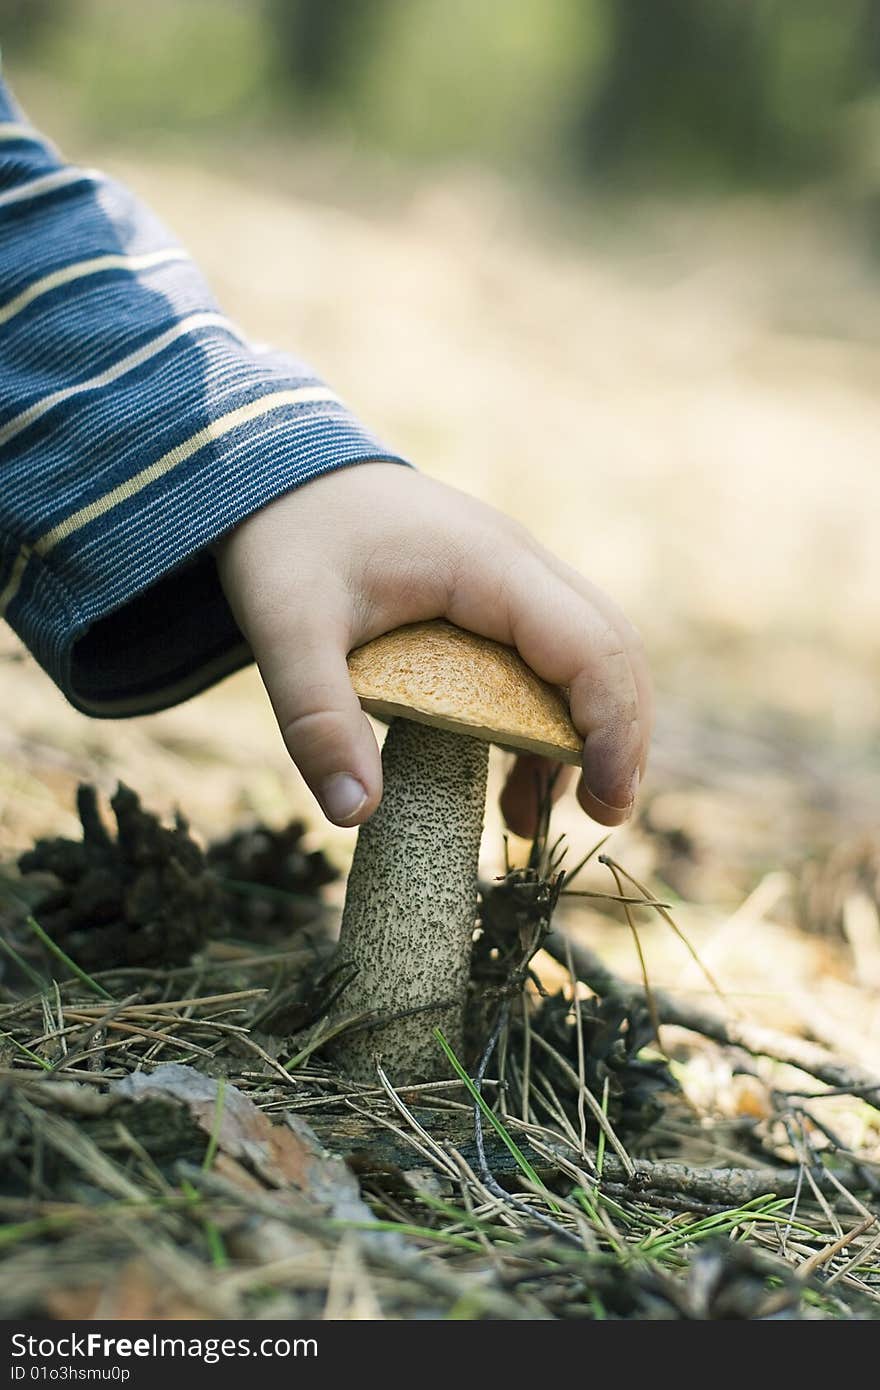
681	91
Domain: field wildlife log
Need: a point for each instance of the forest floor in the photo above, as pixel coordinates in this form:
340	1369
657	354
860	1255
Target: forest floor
682	402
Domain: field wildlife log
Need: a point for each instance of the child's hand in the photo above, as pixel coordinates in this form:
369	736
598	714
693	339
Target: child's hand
361	551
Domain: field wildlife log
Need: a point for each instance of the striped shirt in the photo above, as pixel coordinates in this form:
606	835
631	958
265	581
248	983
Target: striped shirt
136	426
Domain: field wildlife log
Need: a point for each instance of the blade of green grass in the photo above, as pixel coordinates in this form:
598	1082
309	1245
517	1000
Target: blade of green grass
590	1199
40	1226
193	1199
597	1306
36	979
40	1061
216	1248
55	950
211	1150
467	1218
510	1144
765	1208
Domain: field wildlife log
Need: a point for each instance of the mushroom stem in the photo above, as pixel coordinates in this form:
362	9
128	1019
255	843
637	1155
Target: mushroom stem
410	905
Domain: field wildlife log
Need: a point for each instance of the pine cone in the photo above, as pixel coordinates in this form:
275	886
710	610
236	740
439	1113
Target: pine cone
286	879
144	898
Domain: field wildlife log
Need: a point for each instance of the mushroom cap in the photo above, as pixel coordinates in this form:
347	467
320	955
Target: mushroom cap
436	673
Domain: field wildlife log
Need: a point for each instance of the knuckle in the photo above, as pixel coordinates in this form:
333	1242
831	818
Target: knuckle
421	577
315	735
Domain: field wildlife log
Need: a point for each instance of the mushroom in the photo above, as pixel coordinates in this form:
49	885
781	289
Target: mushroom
410	907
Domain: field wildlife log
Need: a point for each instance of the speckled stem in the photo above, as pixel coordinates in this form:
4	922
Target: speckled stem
411	902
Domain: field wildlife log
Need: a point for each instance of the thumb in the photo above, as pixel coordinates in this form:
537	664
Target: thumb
327	734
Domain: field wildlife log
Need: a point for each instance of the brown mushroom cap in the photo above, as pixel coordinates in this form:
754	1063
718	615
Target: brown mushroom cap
439	674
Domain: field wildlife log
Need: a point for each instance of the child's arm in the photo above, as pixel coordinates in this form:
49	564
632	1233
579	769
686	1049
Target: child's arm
137	429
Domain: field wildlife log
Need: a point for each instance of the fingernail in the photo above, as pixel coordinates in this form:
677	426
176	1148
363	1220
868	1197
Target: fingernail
613	806
342	796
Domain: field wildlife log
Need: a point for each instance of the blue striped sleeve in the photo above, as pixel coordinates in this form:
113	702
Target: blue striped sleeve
136	427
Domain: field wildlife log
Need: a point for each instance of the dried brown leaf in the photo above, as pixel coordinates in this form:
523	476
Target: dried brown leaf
283	1156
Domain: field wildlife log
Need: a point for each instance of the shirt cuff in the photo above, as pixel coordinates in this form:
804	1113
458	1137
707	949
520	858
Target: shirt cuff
126	611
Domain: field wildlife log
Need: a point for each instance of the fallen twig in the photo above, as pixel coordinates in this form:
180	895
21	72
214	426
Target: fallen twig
752	1037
